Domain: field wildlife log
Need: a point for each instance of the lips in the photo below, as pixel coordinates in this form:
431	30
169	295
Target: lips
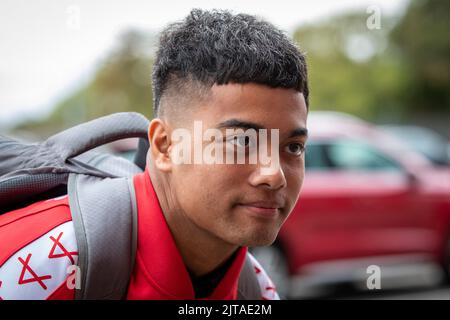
265	209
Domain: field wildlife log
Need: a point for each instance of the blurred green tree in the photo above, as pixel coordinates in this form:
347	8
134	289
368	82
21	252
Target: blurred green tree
352	68
398	73
423	37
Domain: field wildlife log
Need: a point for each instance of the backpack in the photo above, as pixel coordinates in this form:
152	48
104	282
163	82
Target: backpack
101	197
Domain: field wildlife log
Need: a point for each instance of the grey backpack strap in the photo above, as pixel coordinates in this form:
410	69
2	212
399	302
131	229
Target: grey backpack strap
86	136
248	287
104	214
30	172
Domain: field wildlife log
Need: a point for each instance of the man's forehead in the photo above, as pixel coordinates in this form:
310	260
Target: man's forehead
255	98
259	105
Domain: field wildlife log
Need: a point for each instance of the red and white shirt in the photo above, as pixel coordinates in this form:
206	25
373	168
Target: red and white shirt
38	248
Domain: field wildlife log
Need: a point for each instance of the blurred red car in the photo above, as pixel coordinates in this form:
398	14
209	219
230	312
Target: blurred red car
366	200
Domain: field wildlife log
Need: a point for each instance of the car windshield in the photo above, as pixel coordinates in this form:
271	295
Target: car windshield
422	140
346	155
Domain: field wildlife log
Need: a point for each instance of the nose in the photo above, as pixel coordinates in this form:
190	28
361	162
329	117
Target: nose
272	179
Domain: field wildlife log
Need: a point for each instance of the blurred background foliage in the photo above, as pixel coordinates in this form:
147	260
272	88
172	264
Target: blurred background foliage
398	73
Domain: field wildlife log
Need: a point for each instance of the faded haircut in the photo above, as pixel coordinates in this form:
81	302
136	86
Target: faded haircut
218	47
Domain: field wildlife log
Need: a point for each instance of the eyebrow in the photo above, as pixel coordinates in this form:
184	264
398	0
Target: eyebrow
299	132
236	123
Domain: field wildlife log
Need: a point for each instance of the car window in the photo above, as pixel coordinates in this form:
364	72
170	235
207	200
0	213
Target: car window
354	155
315	157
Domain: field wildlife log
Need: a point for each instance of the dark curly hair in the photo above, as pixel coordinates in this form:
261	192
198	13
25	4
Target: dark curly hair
218	47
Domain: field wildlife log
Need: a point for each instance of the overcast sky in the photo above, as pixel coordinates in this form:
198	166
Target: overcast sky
50	47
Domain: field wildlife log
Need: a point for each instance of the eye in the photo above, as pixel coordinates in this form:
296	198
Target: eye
295	148
242	141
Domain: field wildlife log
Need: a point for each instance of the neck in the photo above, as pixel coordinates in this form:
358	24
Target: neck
202	252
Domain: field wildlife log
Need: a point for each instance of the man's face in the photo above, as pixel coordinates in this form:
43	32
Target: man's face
239	203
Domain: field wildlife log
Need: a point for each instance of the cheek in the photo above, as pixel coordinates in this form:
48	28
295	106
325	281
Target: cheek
294	179
186	185
202	187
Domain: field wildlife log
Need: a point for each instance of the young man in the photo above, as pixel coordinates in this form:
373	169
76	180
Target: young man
195	218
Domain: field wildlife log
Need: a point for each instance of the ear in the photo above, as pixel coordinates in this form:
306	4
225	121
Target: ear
160	142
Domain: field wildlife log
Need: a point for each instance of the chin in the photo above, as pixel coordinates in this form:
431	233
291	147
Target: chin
258	239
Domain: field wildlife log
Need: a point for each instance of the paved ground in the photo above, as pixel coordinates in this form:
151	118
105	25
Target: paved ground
410	281
436	293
